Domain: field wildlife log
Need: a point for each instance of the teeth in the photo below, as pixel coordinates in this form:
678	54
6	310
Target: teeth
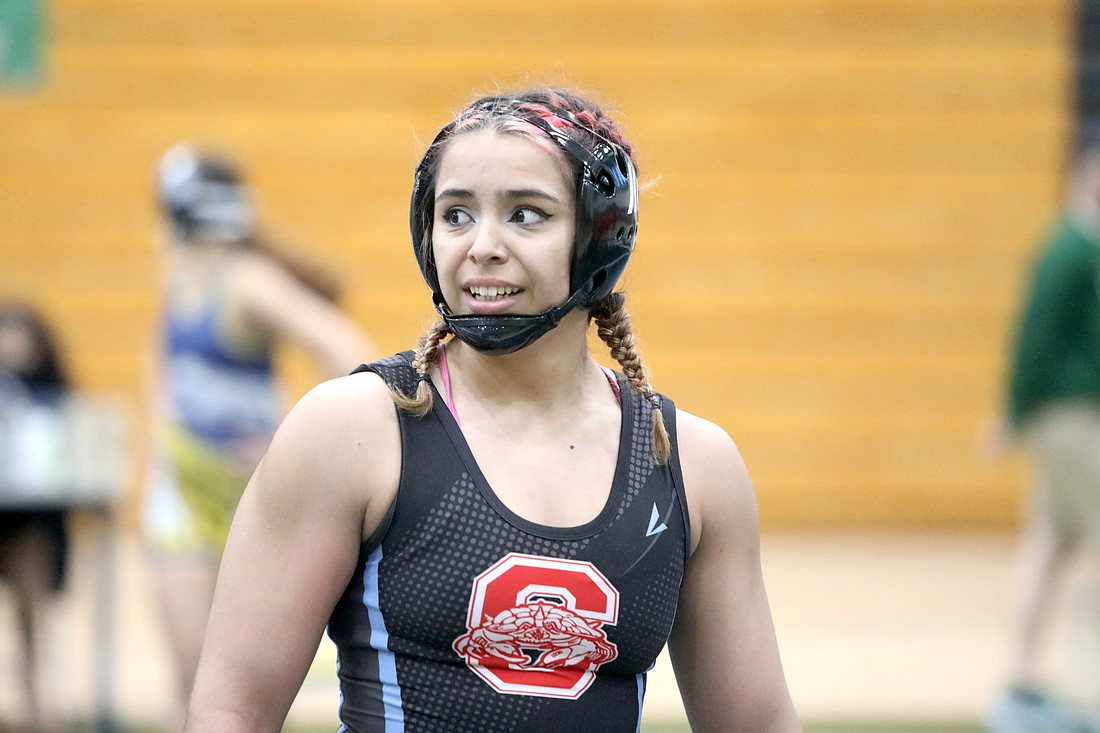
492	293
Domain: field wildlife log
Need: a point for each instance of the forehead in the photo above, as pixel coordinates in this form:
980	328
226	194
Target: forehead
487	157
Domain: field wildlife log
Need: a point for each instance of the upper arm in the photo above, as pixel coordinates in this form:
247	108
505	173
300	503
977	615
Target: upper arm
292	548
272	299
723	646
1050	309
1058	282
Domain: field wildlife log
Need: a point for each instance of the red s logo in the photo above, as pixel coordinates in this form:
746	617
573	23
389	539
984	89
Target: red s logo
535	626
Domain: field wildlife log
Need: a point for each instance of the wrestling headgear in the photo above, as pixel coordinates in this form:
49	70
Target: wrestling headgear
203	196
606	226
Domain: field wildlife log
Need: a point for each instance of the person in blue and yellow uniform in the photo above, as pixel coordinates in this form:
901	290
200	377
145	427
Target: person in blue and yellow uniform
229	299
498	533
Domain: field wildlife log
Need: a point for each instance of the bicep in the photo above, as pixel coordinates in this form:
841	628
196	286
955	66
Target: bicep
291	550
723	646
276	586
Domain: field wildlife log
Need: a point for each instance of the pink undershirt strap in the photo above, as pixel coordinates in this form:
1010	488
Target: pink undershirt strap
445	377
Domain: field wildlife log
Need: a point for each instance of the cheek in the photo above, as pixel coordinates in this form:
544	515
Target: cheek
563	264
443	251
447	259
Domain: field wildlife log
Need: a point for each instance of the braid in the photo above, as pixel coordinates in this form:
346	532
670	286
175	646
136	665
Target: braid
427	354
614	329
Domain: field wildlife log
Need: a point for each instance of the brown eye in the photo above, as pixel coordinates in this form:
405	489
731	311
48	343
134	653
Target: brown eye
528	215
455	217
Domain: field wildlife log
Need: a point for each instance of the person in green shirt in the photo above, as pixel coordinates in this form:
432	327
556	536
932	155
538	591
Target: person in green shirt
1053	407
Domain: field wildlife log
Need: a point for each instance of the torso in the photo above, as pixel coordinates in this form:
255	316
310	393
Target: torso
433	612
567	465
218	376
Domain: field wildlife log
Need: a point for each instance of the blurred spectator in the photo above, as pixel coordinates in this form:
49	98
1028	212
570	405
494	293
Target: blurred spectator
1054	407
229	298
34	535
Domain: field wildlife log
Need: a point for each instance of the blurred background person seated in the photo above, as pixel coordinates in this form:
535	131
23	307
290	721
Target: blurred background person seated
34	532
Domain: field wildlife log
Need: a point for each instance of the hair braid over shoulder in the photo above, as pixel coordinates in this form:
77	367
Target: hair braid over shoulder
614	329
427	354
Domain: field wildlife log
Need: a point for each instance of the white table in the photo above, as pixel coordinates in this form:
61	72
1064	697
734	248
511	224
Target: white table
75	459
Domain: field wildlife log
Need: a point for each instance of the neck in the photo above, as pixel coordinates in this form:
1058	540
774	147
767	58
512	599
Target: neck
553	369
1085	212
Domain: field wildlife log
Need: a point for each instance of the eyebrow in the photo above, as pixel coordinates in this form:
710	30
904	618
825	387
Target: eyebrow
509	195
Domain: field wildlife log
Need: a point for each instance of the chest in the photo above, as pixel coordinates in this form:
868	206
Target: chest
462	580
468	595
557	478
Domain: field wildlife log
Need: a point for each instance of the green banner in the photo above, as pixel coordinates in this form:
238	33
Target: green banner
20	40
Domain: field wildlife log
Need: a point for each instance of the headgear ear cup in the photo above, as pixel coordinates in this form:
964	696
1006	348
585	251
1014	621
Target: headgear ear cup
607	209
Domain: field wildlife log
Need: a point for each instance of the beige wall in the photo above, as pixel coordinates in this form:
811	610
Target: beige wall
845	195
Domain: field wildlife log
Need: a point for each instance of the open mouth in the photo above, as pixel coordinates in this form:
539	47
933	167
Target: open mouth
486	294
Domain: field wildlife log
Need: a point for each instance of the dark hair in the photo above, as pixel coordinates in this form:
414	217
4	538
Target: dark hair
48	374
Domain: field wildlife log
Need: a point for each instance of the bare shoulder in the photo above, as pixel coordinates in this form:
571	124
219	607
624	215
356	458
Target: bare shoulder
716	480
339	403
260	266
339	442
260	288
702	435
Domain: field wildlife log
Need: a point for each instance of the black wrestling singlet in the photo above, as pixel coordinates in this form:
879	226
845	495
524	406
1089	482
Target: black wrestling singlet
462	617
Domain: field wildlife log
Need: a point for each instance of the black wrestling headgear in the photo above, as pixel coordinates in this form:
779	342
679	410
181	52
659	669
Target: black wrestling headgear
203	196
606	226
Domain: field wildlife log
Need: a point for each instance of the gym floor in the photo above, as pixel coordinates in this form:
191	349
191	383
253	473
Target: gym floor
889	632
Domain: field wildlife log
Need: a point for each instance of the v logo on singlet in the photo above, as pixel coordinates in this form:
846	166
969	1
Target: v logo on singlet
654	527
535	626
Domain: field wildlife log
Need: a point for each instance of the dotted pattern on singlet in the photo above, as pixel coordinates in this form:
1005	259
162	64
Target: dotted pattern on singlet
464	535
397	373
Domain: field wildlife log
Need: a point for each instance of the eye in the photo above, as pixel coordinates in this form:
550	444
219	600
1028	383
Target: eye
456	217
528	215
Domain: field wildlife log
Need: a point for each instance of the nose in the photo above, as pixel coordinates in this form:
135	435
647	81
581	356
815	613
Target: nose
488	243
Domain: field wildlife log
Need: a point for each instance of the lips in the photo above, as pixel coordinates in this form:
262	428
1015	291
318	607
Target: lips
489	299
485	293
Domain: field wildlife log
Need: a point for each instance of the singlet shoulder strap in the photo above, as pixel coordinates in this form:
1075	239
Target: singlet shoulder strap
668	412
396	371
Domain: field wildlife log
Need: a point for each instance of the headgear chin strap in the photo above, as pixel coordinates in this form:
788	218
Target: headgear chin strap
503	333
606	219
